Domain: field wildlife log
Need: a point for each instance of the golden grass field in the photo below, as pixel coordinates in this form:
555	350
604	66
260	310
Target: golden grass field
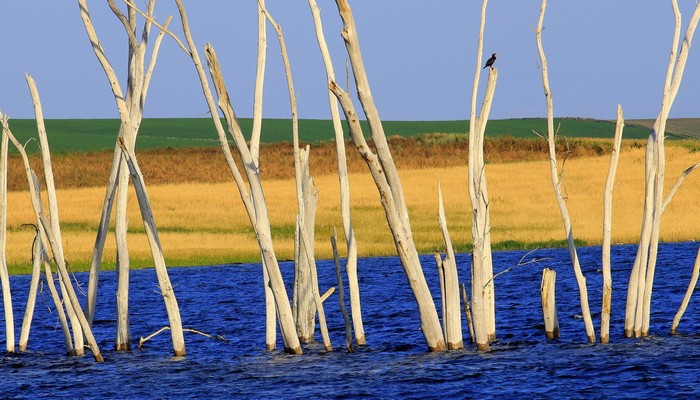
205	223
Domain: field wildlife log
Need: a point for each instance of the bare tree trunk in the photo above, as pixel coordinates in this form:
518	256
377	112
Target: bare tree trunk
607	230
270	311
130	109
48	238
122	340
102	231
556	183
452	319
31	299
4	274
351	244
261	220
639	300
305	305
387	180
341	293
468	313
253	200
688	294
549	303
483	296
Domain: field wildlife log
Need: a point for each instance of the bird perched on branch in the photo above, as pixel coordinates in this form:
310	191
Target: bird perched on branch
490	61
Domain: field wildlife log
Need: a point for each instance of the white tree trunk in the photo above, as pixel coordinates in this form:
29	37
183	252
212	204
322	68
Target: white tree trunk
549	303
122	340
341	293
130	109
260	220
688	294
478	194
556	184
102	230
48	238
351	244
31	299
387	180
452	319
4	275
645	263
607	230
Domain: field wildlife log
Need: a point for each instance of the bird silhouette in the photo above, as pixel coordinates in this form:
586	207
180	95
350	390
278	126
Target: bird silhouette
490	61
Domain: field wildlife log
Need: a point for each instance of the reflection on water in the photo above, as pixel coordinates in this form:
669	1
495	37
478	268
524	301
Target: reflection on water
228	301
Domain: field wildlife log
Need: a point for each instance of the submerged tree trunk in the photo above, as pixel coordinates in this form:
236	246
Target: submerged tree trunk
387	180
452	314
4	275
607	230
549	303
130	107
49	240
351	243
556	184
638	312
483	302
251	192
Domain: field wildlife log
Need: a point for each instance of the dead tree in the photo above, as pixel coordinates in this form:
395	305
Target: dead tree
305	295
452	314
549	303
49	241
557	182
607	230
125	166
386	178
639	290
351	243
4	274
250	188
483	302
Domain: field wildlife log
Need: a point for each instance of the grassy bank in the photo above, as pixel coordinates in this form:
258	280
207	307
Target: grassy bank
72	135
201	219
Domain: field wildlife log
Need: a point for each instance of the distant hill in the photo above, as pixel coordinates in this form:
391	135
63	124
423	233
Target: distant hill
82	135
680	128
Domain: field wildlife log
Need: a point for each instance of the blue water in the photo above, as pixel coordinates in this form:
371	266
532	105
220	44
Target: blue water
228	301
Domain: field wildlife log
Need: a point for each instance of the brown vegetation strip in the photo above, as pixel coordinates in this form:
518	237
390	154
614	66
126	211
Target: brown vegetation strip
207	165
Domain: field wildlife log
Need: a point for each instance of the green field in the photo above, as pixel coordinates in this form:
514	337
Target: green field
74	135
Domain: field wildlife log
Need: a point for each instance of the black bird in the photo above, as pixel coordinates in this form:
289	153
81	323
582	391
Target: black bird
490	61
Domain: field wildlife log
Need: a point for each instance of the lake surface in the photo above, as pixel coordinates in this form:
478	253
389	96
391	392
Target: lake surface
228	301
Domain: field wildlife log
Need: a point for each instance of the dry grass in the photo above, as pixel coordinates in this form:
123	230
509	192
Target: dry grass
204	221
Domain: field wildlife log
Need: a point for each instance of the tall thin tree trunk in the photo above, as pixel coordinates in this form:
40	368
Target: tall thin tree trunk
4	275
607	230
556	184
351	243
637	319
452	319
387	180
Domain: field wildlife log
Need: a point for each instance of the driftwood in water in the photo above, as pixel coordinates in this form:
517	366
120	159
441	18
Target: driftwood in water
344	184
556	184
386	178
607	230
549	303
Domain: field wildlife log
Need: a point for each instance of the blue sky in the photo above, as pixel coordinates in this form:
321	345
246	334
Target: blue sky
420	57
